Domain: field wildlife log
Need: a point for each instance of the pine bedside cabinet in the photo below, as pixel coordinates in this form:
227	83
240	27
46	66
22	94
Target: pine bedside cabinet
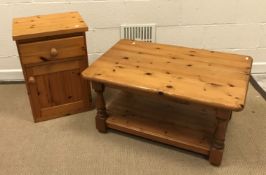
53	53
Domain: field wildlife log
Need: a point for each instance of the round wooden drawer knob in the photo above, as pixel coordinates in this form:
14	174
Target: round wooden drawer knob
31	80
53	52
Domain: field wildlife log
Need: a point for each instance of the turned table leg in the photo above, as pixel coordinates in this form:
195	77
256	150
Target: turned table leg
100	105
216	152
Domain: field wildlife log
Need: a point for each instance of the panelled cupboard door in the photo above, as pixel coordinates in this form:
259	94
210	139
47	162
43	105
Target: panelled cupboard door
58	89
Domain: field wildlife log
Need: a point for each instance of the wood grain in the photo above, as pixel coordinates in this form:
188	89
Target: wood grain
40	52
53	53
58	84
47	25
100	105
51	68
216	153
61	87
64	109
206	77
163	121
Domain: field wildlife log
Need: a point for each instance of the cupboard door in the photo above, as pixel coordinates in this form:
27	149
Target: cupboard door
58	89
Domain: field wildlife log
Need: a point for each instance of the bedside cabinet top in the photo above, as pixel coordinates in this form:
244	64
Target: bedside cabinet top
48	25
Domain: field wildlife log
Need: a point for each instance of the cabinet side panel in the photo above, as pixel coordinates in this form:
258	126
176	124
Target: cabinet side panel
86	87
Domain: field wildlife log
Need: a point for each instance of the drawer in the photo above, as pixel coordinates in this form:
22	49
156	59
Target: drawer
51	50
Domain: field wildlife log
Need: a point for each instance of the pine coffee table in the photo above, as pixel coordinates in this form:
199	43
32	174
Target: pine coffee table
176	95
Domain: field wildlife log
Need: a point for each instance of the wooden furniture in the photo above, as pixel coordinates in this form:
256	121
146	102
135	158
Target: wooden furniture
52	50
202	87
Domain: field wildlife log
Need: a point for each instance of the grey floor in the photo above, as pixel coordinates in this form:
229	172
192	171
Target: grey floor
261	79
71	145
259	82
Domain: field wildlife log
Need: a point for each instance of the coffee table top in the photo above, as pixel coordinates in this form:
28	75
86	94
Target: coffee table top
206	77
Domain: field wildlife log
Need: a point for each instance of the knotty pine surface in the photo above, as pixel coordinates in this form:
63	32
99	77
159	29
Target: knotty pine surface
211	78
183	125
48	25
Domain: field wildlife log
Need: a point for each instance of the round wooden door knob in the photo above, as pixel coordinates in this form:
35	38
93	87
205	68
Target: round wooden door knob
53	52
31	80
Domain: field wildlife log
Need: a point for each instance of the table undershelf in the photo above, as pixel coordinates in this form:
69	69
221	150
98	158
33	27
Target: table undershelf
184	125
